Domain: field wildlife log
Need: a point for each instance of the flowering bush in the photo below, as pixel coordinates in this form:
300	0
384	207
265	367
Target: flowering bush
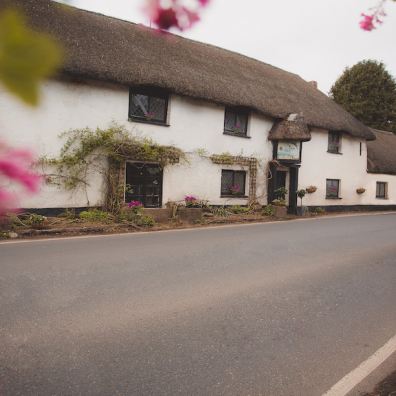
190	200
135	206
174	13
14	170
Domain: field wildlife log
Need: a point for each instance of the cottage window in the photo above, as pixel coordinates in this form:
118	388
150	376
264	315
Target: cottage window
235	122
233	183
334	145
148	106
382	190
332	188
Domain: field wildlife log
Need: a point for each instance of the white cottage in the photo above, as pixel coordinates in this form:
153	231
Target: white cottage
246	128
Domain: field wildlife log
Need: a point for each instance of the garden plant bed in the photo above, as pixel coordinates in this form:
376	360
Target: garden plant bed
59	226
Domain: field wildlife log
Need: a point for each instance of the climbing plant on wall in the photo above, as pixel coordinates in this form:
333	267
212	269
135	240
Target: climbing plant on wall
105	151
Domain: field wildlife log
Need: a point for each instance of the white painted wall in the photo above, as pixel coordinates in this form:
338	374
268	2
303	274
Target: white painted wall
193	125
350	167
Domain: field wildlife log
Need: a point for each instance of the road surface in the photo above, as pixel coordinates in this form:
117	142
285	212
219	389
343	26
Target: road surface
266	309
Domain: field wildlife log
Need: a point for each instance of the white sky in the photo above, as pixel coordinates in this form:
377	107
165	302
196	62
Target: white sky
316	39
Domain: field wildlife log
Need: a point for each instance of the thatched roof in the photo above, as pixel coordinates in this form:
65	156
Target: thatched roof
108	49
381	153
293	128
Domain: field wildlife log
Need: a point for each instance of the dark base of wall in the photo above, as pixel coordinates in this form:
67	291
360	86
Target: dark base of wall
354	208
53	211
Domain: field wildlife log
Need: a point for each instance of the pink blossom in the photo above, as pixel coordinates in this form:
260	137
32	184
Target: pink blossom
367	23
174	14
135	204
190	198
14	169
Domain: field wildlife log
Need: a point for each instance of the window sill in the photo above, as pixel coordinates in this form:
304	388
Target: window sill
334	152
236	135
234	196
333	198
152	122
383	198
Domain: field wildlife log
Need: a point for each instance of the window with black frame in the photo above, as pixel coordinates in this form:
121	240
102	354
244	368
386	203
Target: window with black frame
332	188
233	183
334	145
148	106
381	190
235	122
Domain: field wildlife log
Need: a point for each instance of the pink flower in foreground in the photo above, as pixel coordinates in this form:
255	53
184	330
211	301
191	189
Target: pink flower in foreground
15	169
174	13
367	23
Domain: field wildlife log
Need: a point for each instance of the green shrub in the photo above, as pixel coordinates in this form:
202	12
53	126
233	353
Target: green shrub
35	220
268	210
317	210
220	211
95	215
237	209
144	221
135	216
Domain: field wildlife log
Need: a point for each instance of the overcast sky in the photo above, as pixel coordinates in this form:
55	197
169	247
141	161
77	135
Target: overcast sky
316	39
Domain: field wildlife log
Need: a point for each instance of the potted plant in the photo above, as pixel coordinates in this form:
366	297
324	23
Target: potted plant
235	189
360	190
301	194
280	209
311	189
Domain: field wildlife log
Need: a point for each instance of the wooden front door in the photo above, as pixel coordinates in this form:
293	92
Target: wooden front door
145	184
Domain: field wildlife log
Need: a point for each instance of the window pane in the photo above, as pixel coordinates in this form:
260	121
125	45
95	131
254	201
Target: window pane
157	109
334	142
235	122
226	182
381	190
332	188
230	120
139	105
239	183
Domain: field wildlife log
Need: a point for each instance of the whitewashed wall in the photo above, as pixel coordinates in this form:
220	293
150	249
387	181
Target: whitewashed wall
193	125
350	167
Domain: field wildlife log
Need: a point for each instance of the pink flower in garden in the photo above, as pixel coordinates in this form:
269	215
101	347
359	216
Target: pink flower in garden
135	204
190	198
174	13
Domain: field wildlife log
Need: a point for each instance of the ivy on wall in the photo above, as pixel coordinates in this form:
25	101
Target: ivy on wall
106	151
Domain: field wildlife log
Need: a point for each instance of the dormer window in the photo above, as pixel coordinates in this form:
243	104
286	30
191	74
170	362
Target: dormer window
235	122
334	144
149	106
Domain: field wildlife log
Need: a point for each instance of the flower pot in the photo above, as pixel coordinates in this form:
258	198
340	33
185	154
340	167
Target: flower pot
280	212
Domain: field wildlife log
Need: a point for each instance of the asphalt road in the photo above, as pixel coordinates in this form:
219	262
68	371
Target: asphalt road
266	309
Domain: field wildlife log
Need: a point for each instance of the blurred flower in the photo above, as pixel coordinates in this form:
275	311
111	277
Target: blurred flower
174	13
135	204
14	169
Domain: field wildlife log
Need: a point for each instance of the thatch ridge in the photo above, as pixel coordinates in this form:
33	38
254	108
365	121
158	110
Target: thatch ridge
381	153
108	49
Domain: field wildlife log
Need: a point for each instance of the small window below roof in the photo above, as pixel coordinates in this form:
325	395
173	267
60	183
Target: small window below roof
334	143
148	106
382	190
235	122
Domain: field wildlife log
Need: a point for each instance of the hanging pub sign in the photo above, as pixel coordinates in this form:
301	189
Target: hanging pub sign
288	150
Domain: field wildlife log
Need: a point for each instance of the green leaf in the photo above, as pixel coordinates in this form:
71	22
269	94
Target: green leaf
26	57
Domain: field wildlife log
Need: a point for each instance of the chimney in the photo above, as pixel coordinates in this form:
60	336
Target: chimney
314	83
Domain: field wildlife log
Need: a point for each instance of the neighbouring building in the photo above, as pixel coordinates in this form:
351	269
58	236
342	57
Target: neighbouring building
247	128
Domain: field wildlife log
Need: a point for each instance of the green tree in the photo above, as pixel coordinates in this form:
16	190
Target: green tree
368	91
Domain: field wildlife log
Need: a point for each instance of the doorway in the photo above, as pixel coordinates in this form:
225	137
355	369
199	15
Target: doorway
144	184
